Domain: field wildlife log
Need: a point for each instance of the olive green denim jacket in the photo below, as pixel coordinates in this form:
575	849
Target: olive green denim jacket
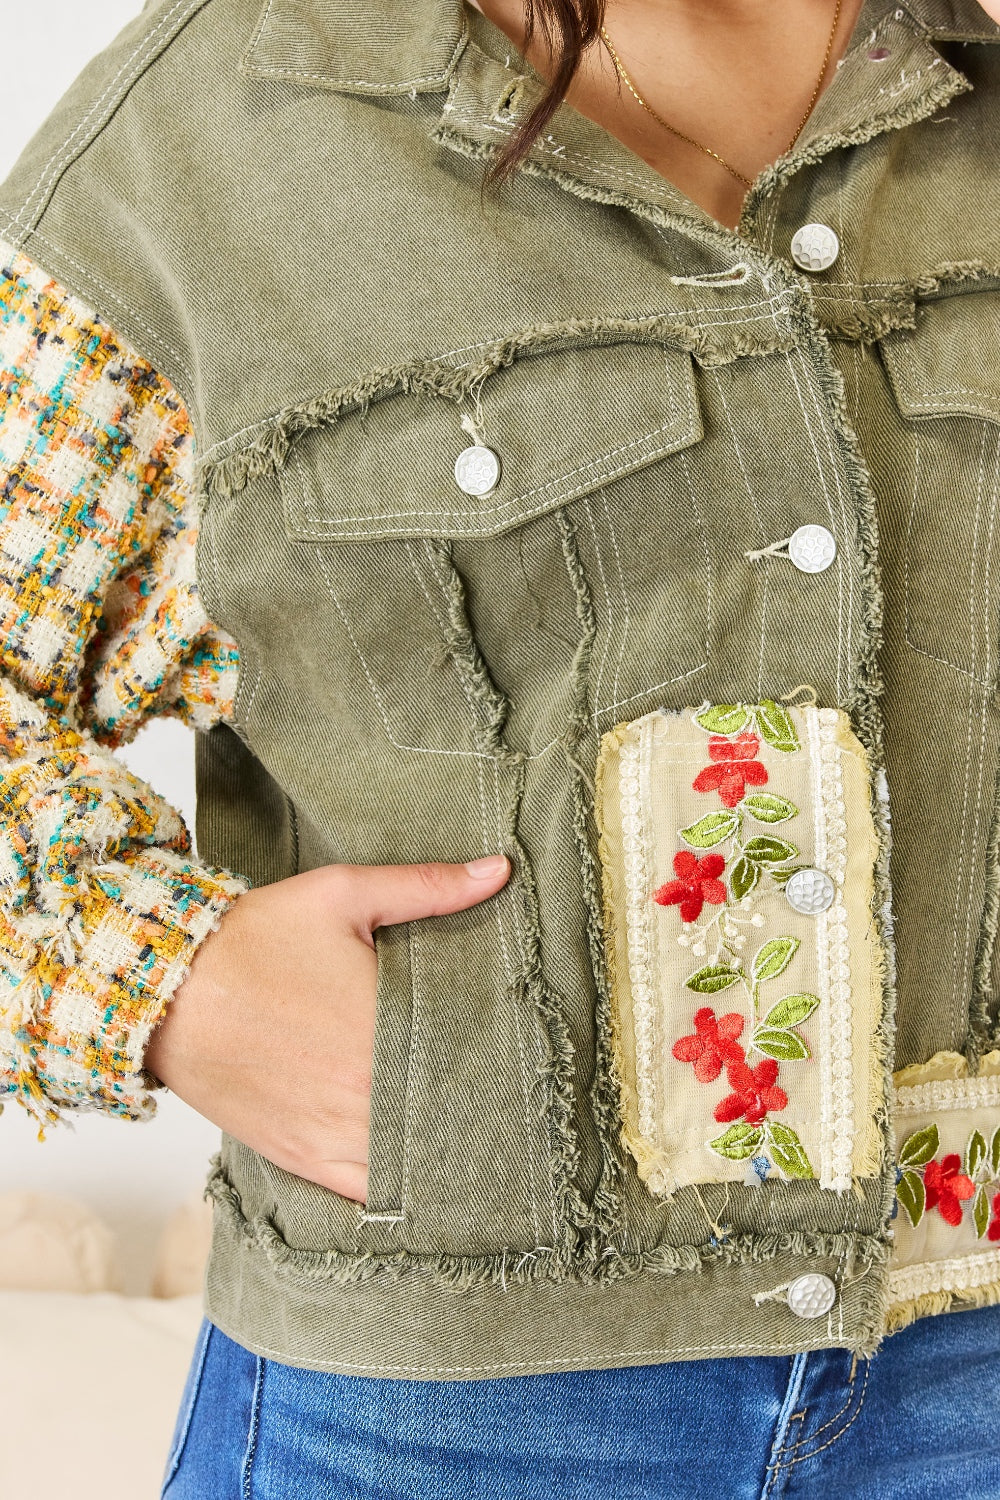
665	558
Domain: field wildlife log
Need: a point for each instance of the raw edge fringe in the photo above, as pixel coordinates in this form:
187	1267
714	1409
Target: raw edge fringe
778	173
231	472
28	1090
530	986
606	1204
520	1266
862	705
902	1314
872	324
983	1030
647	1158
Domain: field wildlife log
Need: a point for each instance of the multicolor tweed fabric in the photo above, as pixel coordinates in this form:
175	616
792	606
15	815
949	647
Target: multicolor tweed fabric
101	628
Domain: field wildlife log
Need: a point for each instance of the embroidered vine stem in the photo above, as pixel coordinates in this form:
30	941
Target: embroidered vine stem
754	858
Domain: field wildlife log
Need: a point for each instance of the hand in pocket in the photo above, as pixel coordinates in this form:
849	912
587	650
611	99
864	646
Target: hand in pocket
270	1034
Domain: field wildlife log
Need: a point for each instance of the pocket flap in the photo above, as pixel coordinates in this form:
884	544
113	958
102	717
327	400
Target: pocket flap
950	363
561	424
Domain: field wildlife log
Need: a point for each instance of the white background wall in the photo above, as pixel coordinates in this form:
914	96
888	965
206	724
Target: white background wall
134	1175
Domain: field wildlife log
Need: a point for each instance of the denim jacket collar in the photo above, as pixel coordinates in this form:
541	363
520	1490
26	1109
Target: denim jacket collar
388	49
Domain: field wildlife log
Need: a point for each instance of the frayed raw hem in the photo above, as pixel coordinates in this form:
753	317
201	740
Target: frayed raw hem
779	172
529	989
863	706
228	473
930	1304
606	1209
984	1028
868	325
25	1081
859	1252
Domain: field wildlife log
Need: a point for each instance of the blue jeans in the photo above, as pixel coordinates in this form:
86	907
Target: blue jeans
919	1420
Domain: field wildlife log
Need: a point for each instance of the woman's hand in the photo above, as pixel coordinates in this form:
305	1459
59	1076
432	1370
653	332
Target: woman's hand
992	9
270	1033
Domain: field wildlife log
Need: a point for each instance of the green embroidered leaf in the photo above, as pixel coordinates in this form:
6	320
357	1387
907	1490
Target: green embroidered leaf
920	1147
767	808
995	1151
739	1141
975	1153
792	1010
781	877
776	727
744	877
788	1151
786	1046
767	850
712	978
773	957
711	829
912	1195
981	1212
722	718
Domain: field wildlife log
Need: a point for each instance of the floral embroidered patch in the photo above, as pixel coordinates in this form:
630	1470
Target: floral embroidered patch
738	850
946	1221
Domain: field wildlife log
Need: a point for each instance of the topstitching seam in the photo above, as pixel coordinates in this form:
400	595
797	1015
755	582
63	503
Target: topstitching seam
801	1458
829	506
61	156
509	895
578	1360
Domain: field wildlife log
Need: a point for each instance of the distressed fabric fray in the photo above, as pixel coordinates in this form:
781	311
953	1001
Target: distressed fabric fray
746	1032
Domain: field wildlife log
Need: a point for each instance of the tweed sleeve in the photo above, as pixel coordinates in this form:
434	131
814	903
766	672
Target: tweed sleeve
102	905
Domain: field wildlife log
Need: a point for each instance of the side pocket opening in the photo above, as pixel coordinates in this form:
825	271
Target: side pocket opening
387	1205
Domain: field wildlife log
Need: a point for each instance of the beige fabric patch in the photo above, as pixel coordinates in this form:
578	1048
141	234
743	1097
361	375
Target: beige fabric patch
947	1226
738	851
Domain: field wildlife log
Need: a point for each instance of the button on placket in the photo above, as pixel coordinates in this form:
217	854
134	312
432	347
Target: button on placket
812	548
815	247
811	1295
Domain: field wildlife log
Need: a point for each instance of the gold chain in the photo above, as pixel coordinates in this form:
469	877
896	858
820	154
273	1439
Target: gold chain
707	149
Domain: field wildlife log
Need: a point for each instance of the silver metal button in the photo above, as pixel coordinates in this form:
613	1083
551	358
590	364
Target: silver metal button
809	891
812	1295
477	470
815	247
812	548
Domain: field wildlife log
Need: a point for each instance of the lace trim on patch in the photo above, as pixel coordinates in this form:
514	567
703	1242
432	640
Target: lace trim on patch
946	1218
663	812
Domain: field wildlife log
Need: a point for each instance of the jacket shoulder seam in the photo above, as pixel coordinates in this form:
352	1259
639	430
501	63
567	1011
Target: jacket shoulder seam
154	42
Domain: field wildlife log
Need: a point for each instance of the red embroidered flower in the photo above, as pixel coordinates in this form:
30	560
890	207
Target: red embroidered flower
993	1233
697	882
735	768
754	1092
947	1188
712	1044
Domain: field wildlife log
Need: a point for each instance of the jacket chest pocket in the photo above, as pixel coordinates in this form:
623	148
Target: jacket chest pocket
439	566
945	376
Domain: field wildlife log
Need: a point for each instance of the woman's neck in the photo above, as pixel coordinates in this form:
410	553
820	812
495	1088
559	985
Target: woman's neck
735	75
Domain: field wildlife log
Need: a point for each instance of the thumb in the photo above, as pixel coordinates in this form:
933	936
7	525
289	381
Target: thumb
399	893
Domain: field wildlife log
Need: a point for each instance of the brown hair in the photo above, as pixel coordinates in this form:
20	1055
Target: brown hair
569	27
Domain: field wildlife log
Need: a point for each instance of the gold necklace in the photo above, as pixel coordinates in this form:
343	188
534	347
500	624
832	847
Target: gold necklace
707	149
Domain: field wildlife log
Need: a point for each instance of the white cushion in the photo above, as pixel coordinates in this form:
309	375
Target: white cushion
54	1244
